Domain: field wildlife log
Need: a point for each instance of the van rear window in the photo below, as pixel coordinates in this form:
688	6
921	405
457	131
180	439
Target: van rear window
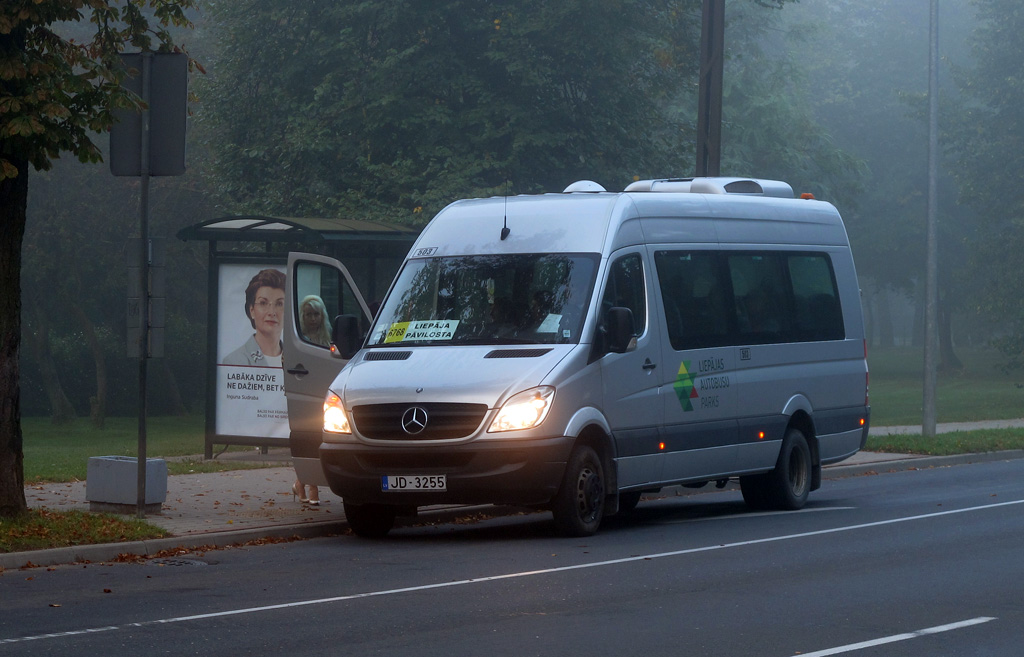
721	298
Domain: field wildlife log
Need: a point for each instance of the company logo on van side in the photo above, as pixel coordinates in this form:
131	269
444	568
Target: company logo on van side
684	387
688	387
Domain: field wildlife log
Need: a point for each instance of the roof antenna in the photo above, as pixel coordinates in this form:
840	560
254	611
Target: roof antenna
505	229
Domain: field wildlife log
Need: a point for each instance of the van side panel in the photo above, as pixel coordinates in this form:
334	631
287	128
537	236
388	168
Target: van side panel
727	407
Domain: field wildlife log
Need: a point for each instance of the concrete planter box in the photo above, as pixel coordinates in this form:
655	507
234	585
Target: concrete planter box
111	484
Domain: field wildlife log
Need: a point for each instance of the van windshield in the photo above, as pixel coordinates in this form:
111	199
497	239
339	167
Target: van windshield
488	299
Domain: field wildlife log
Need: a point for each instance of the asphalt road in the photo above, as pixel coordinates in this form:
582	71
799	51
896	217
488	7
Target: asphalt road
918	563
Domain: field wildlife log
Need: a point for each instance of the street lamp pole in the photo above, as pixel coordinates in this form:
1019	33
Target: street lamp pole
931	268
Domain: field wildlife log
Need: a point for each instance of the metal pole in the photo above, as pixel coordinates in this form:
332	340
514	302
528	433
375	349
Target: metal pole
709	94
144	260
931	341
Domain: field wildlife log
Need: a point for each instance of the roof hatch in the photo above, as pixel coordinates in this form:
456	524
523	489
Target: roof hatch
735	186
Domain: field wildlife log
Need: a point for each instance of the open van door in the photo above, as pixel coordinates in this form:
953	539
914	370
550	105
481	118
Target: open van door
319	289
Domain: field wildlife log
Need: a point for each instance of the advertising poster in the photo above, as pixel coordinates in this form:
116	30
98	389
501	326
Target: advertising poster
250	397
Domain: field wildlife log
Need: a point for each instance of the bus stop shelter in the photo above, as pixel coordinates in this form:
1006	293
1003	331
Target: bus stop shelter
241	246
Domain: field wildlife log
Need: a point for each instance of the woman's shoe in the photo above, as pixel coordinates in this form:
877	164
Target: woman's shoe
298	490
314	498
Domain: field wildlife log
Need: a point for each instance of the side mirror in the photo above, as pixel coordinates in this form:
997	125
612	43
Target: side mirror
620	337
345	337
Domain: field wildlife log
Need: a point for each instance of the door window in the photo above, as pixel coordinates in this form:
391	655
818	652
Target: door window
626	289
321	294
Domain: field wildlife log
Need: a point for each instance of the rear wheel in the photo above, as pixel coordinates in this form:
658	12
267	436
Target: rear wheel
579	505
786	487
370	520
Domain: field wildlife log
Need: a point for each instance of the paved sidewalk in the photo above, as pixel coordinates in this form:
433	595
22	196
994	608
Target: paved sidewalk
217	509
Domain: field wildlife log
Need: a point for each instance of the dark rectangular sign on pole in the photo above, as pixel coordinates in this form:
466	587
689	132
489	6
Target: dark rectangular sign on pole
167	112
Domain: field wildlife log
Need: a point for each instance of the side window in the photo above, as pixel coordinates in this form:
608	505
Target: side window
321	294
695	298
817	312
761	296
626	289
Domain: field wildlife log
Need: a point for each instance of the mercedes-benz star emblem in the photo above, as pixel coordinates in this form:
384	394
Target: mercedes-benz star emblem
414	420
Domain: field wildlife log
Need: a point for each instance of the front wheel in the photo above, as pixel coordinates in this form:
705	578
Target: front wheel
370	520
786	487
579	505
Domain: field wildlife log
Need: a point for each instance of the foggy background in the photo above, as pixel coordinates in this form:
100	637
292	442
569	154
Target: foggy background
391	110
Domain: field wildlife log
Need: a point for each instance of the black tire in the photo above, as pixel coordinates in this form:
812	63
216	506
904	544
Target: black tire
787	486
370	520
753	489
628	501
579	505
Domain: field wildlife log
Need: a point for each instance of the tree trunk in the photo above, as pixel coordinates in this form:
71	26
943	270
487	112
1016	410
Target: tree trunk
917	336
37	335
170	389
97	404
13	201
883	318
948	361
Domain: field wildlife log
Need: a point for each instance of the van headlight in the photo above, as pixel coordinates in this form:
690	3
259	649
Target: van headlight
524	410
335	417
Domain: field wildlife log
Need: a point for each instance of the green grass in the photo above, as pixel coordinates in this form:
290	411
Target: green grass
981	391
42	528
61	453
945	444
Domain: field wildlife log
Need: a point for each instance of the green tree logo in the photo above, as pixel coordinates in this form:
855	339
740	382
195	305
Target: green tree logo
684	387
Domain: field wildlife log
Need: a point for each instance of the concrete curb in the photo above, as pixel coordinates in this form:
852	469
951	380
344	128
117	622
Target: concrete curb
111	551
232	537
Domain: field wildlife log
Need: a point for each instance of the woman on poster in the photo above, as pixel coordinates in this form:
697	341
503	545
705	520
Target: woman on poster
264	306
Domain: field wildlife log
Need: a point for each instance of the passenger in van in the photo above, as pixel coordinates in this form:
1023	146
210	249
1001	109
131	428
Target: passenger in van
313	322
505	317
264	306
533	321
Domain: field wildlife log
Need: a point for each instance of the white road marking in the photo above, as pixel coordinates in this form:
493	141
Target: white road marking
495	578
898	637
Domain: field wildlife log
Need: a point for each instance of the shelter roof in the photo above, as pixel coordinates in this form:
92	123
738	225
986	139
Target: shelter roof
255	228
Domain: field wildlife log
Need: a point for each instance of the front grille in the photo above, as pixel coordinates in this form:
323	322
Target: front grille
444	421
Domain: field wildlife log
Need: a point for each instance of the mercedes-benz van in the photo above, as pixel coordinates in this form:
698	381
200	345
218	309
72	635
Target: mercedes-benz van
572	351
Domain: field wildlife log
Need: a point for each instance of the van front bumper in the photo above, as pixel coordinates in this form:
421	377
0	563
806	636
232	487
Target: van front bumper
516	472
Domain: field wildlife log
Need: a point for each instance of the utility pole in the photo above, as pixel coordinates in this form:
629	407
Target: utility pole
931	334
709	95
